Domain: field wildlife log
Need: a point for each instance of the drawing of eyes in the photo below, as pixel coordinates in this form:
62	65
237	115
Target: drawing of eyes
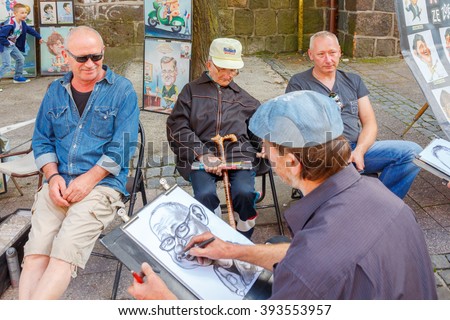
167	244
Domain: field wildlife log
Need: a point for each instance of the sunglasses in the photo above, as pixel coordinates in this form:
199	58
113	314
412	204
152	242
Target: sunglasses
83	59
337	99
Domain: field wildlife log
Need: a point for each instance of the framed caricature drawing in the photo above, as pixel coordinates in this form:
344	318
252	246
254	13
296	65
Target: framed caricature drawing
169	19
65	12
47	12
52	60
166	71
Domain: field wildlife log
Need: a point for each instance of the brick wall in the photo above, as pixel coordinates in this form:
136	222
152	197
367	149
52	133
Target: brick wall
365	27
368	28
261	25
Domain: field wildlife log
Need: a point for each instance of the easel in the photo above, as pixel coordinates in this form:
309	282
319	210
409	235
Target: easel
416	117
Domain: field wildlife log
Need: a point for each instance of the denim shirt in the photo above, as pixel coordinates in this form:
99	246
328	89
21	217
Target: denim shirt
105	134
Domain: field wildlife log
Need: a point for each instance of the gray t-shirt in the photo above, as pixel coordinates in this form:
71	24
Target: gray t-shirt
348	86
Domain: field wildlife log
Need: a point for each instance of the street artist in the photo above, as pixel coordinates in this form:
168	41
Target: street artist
352	237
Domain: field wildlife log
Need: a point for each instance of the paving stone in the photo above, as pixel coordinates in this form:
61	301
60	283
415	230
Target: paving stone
153	172
168	171
443	293
181	182
440	261
445	275
153	183
439	281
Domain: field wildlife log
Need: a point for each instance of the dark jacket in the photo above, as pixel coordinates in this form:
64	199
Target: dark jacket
7	29
202	111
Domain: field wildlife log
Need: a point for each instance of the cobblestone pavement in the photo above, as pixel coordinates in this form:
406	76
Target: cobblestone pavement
396	99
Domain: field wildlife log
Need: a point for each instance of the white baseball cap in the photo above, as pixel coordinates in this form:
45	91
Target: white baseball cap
226	53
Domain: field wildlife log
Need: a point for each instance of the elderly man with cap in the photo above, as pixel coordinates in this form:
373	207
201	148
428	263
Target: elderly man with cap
214	104
352	237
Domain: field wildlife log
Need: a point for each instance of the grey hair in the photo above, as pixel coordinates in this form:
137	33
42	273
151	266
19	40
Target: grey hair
85	29
167	59
322	34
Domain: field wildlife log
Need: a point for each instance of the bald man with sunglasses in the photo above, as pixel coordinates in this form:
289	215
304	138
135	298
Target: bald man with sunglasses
85	133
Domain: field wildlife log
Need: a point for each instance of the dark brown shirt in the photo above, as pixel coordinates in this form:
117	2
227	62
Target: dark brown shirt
354	239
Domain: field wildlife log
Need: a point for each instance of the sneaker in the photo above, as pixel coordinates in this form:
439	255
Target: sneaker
1	89
21	80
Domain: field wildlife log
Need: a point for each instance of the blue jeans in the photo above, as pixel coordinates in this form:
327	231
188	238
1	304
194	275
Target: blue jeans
13	52
393	160
243	194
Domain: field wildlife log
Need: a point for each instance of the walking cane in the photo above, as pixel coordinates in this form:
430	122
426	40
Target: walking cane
226	181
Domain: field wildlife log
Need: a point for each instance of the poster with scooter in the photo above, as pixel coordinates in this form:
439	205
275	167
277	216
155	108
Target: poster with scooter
169	19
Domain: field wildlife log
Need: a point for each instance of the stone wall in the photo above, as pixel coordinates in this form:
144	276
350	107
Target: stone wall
365	28
368	28
261	25
121	24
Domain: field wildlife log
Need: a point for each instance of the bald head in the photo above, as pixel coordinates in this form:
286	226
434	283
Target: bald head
82	32
322	34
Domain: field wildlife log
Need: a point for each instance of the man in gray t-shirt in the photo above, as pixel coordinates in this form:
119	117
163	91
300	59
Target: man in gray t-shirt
392	159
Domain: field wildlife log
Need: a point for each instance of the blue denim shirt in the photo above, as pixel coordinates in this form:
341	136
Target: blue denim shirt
104	135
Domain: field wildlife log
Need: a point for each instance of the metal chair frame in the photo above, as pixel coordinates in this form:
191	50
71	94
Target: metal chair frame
14	175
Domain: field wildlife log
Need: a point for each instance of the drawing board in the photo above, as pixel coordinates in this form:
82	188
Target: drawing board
164	227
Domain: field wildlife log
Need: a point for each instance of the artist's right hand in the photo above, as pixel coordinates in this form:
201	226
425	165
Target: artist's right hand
57	187
212	164
218	249
153	287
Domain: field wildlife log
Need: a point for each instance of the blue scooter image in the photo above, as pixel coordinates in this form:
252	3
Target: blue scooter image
166	15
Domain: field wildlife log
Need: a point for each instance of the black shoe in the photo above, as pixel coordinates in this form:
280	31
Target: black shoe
247	234
296	194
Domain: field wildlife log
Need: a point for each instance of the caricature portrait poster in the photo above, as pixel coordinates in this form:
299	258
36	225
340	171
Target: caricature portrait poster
29	68
166	71
52	60
169	19
6	10
424	27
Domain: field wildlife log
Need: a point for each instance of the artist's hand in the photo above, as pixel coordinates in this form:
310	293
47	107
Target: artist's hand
357	157
41	41
79	188
212	164
218	249
57	187
153	287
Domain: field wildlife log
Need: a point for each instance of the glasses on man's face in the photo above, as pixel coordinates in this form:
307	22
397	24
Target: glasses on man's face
233	72
181	232
337	99
83	59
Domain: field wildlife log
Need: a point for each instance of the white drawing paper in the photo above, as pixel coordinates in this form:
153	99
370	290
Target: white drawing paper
437	154
165	226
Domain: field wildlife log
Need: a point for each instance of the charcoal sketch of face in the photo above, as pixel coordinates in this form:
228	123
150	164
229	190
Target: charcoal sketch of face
445	102
175	224
442	153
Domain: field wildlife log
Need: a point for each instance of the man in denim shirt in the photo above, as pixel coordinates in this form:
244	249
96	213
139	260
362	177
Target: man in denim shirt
82	141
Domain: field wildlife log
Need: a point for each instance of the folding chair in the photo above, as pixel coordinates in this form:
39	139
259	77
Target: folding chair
21	167
135	185
264	170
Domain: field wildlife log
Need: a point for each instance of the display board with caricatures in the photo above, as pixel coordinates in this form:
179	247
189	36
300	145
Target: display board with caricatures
424	27
56	18
167	52
166	71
